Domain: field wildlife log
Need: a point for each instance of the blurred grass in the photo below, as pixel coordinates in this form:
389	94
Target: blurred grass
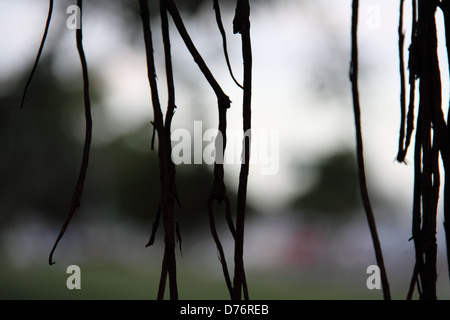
120	283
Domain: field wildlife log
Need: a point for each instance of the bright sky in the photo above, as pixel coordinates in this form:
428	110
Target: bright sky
294	47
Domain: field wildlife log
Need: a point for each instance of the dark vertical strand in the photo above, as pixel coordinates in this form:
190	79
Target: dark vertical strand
401	40
417	203
359	151
224	101
431	248
428	283
38	56
447	211
428	146
223	262
445	6
145	15
218	192
224	41
412	82
417	198
412	283
76	198
169	176
168	60
163	276
167	168
241	24
155	226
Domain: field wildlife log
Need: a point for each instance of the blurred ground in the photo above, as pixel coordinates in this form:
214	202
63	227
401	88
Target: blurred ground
283	261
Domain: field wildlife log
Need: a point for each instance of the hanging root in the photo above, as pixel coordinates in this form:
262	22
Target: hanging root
401	40
219	247
241	24
167	167
431	137
359	152
76	198
154	227
38	56
224	41
445	152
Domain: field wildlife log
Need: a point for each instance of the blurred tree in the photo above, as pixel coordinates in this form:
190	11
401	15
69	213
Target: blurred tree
334	195
38	150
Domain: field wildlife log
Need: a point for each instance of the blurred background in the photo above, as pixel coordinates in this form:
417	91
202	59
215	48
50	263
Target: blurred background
306	232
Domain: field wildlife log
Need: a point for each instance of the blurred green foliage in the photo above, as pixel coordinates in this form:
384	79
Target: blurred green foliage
38	151
334	195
